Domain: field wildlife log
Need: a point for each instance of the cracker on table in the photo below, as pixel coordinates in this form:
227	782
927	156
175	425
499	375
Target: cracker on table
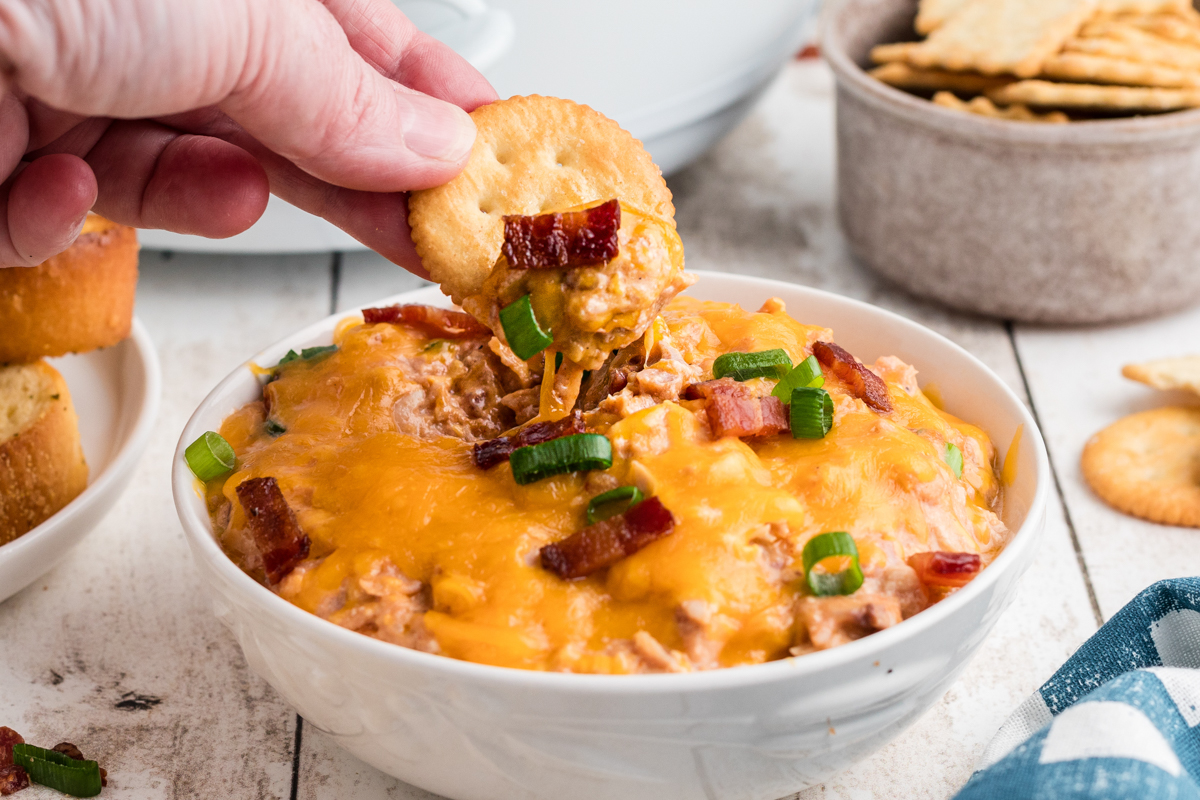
1095	97
1167	373
1132	44
903	76
531	155
983	107
1148	465
931	14
1002	36
1085	68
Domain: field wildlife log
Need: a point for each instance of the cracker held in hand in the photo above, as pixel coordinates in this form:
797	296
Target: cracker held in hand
1002	36
1148	465
1167	373
531	155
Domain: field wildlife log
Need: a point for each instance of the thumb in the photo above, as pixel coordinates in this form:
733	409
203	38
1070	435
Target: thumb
308	96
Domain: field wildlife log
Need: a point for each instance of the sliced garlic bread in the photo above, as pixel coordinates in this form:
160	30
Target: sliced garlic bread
77	301
42	467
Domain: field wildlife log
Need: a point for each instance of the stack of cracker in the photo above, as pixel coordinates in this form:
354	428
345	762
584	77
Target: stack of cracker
1068	58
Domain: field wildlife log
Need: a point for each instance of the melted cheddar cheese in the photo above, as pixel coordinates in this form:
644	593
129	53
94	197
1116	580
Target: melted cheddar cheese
414	544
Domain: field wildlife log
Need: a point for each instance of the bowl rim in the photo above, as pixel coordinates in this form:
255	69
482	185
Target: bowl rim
197	528
126	457
1139	130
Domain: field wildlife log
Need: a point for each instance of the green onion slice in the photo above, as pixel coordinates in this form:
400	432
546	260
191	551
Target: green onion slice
568	454
811	413
744	366
613	502
210	456
521	329
274	428
831	564
307	354
954	458
58	771
806	375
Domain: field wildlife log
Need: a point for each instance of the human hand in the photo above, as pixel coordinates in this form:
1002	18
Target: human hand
185	114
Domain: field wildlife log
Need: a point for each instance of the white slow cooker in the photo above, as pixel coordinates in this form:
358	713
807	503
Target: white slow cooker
678	75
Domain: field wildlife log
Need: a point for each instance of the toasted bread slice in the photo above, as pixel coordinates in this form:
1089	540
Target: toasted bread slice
42	467
77	301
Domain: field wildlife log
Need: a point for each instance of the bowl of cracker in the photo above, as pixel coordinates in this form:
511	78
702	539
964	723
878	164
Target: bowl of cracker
1026	159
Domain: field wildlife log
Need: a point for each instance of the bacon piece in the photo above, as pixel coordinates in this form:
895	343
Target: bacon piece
866	385
490	453
276	532
13	779
571	239
945	570
607	542
733	410
441	323
8	737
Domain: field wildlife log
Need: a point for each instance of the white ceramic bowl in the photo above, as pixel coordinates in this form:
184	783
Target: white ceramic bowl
116	392
475	732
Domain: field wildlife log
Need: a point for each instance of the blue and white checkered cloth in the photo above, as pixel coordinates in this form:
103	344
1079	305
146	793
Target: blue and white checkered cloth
1119	721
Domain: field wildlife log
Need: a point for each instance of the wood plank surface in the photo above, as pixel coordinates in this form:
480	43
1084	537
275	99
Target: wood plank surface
1075	377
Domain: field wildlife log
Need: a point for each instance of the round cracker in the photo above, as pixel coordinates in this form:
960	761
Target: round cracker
1148	465
531	155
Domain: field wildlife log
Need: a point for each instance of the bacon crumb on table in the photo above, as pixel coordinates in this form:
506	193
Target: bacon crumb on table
866	385
273	524
8	737
733	410
12	779
494	451
569	239
607	542
946	570
441	323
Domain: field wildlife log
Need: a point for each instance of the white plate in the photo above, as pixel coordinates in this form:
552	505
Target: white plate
477	732
116	392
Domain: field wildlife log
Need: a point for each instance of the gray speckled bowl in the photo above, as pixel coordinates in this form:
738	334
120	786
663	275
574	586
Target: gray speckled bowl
1088	222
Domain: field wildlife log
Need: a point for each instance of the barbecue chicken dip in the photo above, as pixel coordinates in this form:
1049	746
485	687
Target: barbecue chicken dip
730	488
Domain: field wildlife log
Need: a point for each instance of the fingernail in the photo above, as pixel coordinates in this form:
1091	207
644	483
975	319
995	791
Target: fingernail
437	130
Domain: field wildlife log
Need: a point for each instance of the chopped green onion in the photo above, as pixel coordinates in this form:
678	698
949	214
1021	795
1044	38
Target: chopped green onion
744	366
521	329
273	428
307	354
954	458
613	502
210	456
568	454
435	344
58	771
558	357
811	413
838	545
806	375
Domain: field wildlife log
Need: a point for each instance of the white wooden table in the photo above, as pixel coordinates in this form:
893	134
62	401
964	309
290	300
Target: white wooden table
117	651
